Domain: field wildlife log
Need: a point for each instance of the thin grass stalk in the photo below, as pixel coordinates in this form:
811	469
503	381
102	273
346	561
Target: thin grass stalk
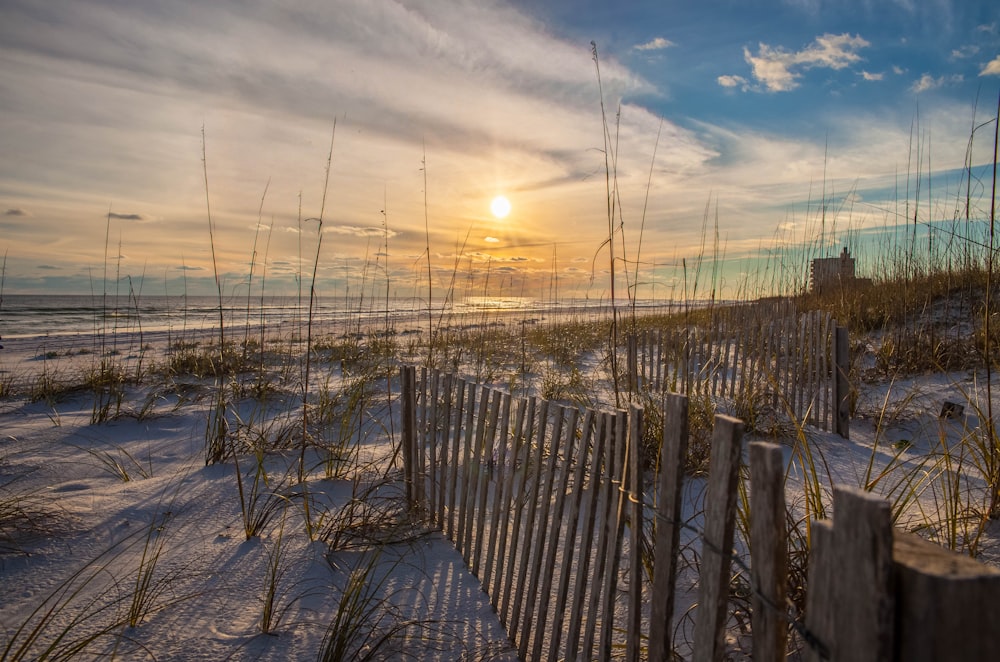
309	324
611	193
994	475
216	430
430	275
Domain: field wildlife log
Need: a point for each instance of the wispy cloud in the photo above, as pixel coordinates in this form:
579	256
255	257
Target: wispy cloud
358	231
657	44
126	217
992	68
779	70
928	82
963	52
16	211
867	75
733	81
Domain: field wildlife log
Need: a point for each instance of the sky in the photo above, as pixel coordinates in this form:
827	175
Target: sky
162	143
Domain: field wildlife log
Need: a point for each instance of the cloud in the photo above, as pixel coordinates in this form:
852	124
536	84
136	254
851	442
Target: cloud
360	231
733	81
928	82
964	52
126	217
656	44
992	67
491	240
16	211
779	70
867	75
898	70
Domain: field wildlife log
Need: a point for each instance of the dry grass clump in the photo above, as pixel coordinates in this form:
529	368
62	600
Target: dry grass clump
926	322
25	518
567	343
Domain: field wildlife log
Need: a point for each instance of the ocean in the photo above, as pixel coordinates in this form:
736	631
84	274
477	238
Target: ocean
24	316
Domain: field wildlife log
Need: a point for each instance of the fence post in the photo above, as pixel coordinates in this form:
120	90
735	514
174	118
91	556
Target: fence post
717	541
768	539
842	367
668	525
819	591
947	604
634	493
632	361
863	616
408	395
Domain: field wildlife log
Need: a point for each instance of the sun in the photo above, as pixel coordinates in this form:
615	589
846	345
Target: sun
500	206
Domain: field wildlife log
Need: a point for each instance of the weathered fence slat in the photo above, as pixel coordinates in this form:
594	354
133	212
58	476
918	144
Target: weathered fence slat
463	503
819	591
583	578
406	440
842	395
515	444
431	439
473	468
455	455
862	546
947	604
515	560
532	499
768	549
604	510
668	525
616	529
500	471
540	526
421	448
573	520
555	532
717	540
634	492
446	458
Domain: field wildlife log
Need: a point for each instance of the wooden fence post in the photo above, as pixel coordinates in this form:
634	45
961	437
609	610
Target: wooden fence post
408	396
632	361
947	604
842	367
863	619
592	502
717	541
668	525
768	549
819	591
635	515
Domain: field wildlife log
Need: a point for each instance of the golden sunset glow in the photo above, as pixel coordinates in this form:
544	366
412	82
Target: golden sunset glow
500	207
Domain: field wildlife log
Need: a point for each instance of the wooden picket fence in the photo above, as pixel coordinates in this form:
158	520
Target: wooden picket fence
766	353
534	497
547	505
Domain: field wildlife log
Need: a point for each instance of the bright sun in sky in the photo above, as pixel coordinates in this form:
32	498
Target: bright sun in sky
500	206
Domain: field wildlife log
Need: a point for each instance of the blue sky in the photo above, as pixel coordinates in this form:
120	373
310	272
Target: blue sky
767	113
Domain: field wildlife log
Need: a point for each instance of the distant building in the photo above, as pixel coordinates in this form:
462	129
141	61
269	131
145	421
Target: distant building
830	272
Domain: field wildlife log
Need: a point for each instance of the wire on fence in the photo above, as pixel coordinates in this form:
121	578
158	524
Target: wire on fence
794	618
